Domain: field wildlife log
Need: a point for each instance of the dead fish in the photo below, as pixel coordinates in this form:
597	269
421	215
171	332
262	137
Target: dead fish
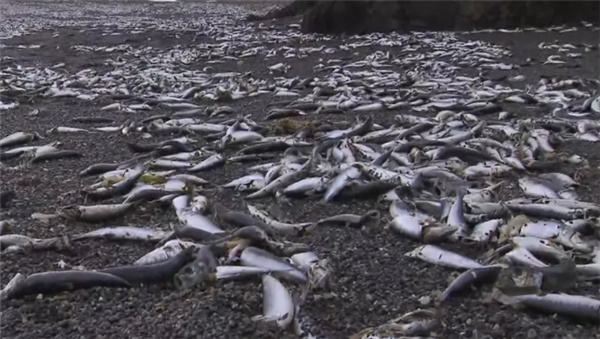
123	233
199	204
192	219
18	138
265	146
341	181
252	256
239	272
468	278
63	281
278	304
121	188
4	156
279	226
557	232
153	273
421	229
202	269
251	182
456	218
145	193
535	188
167	251
438	256
468	155
281	182
484	232
94	213
521	256
541	247
184	231
240	219
368	190
318	270
208	163
306	187
190	179
370	219
54	155
169	164
566	304
64	129
553	211
98	169
27	243
416	324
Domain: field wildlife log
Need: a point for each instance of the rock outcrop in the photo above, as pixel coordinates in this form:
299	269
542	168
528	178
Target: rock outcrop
360	17
294	8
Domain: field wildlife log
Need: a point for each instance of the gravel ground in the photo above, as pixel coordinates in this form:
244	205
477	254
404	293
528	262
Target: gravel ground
374	281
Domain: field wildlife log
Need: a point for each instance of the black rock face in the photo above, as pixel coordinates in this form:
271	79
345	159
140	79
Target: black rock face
361	17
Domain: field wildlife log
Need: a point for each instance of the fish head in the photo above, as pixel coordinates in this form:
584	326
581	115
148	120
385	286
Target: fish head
192	274
71	212
579	244
319	274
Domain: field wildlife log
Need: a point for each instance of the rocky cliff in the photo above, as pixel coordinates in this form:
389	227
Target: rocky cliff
360	17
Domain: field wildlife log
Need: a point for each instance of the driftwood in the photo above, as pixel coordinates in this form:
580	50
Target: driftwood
361	17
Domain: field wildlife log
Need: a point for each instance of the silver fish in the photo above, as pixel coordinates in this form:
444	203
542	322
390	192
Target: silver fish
438	256
278	304
123	233
256	257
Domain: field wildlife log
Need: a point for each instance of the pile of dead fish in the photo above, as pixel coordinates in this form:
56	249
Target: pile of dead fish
440	175
441	166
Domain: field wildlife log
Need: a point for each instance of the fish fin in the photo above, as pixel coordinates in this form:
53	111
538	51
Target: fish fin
504	299
268	320
258	318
